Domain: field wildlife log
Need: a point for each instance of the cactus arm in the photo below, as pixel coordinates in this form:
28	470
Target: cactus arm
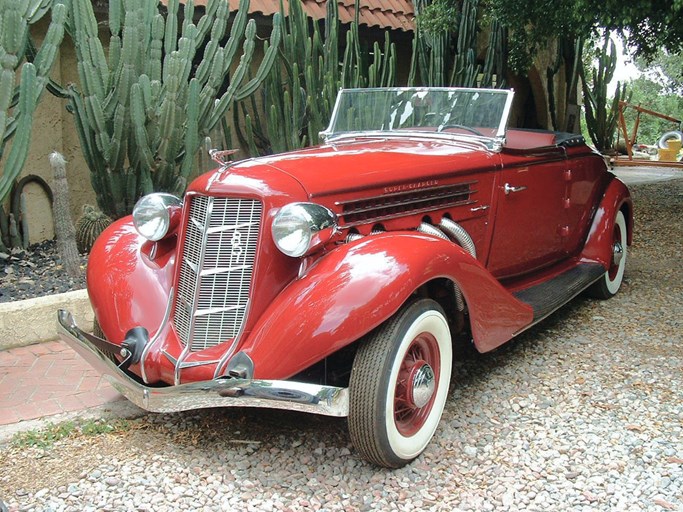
250	134
153	69
171	27
239	27
226	99
210	89
14	34
6	94
117	149
11	36
115	16
267	62
169	113
192	129
45	57
217	33
84	134
204	69
115	48
413	60
126	72
88	47
207	20
188	15
17	155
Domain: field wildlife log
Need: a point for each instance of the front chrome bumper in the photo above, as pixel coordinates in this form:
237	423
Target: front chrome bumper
222	392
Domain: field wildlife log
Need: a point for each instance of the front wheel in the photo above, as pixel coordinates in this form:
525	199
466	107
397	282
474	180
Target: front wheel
399	385
610	282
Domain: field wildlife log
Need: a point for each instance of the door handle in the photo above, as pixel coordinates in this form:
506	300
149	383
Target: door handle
509	188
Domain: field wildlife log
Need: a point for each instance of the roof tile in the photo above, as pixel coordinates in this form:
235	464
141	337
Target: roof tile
391	14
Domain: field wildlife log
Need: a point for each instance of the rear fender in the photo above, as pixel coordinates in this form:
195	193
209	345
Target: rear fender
356	287
598	245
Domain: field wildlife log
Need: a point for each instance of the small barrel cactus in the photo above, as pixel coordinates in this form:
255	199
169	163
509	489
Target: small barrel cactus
89	227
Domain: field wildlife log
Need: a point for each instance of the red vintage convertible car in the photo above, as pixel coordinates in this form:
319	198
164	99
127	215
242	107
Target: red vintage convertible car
337	279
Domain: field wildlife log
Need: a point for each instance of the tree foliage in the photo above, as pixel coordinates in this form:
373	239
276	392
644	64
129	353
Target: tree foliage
665	69
659	88
532	23
646	25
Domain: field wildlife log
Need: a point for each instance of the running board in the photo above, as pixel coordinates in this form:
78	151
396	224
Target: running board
550	295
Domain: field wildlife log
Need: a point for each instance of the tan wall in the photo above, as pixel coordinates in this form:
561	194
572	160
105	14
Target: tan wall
54	130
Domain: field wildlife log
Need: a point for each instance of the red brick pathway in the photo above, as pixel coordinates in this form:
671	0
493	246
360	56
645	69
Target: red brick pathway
45	379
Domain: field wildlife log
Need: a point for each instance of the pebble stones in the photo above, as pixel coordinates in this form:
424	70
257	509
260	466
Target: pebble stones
581	413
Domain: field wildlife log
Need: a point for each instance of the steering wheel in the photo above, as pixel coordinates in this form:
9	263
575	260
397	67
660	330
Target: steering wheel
462	127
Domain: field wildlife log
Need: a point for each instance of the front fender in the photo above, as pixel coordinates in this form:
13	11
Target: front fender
126	287
356	287
598	245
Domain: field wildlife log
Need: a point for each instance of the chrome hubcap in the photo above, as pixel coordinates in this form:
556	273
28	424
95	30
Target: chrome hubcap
617	253
423	384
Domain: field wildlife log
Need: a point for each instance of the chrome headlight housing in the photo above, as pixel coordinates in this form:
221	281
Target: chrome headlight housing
299	228
155	214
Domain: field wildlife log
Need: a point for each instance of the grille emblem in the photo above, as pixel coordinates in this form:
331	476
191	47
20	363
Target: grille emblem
236	244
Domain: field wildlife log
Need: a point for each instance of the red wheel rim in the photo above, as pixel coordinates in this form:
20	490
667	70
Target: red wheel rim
409	417
614	267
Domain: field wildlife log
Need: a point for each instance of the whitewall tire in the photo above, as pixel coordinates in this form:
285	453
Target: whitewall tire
399	384
610	282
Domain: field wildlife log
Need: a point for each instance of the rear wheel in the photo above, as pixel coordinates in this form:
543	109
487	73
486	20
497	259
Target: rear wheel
610	282
399	385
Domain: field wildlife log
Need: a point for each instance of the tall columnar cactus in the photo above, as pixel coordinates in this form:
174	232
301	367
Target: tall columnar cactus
449	59
569	56
18	101
142	111
602	111
64	226
299	93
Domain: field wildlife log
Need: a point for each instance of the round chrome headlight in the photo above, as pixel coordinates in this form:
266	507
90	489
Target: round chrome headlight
298	228
153	215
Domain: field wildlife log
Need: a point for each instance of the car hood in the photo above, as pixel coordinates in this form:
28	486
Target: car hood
358	163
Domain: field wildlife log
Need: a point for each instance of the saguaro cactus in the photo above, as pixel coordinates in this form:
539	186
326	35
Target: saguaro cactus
18	102
601	111
142	111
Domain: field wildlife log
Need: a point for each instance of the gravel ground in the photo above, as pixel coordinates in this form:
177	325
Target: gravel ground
35	272
584	412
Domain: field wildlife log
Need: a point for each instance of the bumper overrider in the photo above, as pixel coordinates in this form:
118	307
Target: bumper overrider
220	392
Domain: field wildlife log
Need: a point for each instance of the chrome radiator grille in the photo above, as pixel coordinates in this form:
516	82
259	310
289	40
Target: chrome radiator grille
216	268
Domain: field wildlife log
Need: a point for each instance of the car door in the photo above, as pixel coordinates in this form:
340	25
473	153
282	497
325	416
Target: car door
587	178
530	216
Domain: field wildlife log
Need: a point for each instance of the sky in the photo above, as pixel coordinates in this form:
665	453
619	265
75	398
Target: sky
625	70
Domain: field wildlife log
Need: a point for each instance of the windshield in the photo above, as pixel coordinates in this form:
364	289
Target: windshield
474	112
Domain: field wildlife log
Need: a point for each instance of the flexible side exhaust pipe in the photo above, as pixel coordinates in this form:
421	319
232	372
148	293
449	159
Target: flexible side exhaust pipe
461	236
